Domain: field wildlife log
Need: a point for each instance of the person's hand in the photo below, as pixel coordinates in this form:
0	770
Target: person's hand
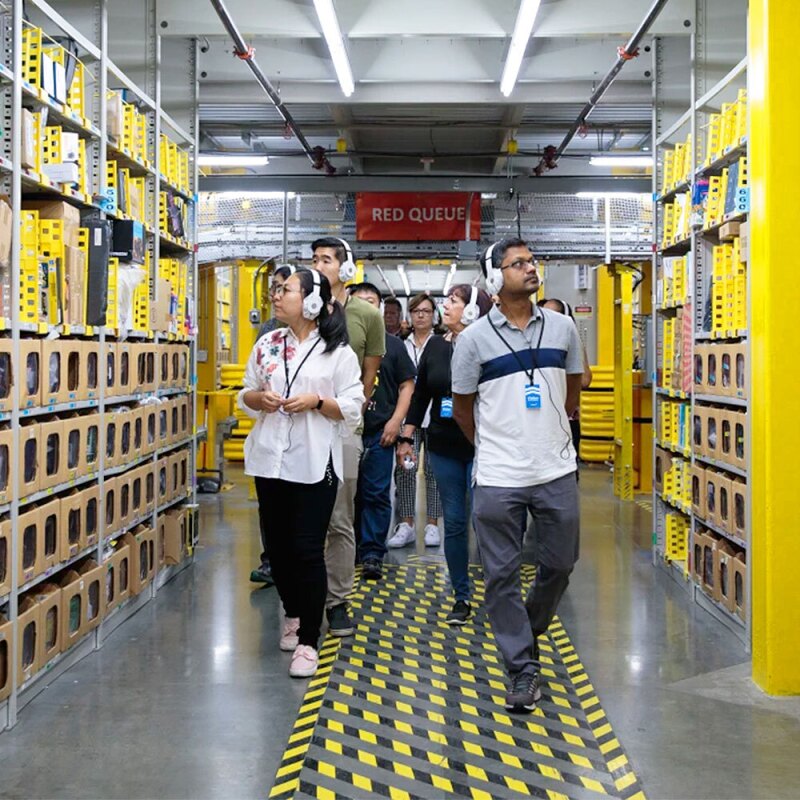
391	430
300	402
270	402
404	449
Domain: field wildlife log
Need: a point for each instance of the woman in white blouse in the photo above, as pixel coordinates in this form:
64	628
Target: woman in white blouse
303	386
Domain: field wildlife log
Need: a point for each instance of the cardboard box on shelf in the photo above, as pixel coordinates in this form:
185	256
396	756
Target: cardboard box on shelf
175	522
6	484
94	595
124	499
162	480
114	116
5	557
75	282
72	359
739	565
126	369
30	382
698	477
29	462
73	526
137	482
723	583
48	597
67	172
699	415
91	432
6	231
739	422
29	150
163	424
7	378
149	484
186	421
6	654
52	452
72	608
141	541
163	379
50	526
739	514
70	217
145	367
663	466
712	484
138	446
54	382
712	436
724	502
110	441
744	243
729	231
150	417
117	577
111	521
90	370
160	309
28	633
709	544
738	356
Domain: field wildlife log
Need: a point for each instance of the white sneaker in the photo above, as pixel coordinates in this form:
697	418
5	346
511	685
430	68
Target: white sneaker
432	536
403	535
304	662
289	640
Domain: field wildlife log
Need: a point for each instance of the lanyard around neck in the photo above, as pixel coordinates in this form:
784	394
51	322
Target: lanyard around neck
534	352
290	383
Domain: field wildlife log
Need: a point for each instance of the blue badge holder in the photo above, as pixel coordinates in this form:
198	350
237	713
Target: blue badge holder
446	408
533	396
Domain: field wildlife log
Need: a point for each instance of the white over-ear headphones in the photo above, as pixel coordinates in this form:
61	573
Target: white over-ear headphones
494	277
312	303
347	270
472	310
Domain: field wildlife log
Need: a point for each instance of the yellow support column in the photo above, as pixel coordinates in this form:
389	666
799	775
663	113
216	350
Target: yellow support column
774	99
605	316
623	381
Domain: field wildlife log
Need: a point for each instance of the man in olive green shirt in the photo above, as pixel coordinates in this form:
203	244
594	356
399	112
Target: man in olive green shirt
334	259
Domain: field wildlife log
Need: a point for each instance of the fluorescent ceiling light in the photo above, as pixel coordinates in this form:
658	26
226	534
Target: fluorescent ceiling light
245	195
621	161
523	27
232	160
613	195
333	36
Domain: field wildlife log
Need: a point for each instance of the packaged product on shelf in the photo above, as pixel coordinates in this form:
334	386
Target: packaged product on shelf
30	353
114	116
723	574
128	241
48	598
69	215
117	578
97	238
29	150
72	608
28	632
6	231
64	173
94	595
739	606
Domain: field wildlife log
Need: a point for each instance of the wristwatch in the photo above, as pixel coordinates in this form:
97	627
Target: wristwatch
318	406
404	440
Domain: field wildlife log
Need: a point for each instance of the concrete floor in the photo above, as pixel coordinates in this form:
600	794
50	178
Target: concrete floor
190	698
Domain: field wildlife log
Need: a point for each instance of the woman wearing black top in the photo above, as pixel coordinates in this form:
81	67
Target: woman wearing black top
449	451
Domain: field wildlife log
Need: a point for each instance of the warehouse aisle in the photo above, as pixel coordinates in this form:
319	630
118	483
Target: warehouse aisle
191	699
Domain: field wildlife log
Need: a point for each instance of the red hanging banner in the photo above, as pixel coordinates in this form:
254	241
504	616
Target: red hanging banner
417	216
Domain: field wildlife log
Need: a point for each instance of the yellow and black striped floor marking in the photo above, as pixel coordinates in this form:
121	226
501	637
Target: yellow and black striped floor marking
411	708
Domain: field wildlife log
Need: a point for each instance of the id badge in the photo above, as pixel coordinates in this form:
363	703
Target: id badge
446	409
533	396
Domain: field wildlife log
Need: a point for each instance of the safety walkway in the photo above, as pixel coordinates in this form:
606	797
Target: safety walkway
411	708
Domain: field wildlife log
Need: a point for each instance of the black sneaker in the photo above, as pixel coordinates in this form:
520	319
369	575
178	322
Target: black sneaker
262	575
339	622
461	612
372	569
524	693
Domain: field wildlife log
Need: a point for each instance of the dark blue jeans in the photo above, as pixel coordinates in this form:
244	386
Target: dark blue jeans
374	496
454	479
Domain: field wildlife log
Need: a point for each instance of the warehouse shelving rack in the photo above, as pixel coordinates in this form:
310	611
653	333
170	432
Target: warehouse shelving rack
676	522
87	25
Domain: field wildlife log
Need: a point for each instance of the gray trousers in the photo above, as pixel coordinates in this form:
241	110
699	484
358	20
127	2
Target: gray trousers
500	517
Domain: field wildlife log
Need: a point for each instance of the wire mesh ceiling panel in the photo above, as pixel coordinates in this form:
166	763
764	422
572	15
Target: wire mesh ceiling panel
242	225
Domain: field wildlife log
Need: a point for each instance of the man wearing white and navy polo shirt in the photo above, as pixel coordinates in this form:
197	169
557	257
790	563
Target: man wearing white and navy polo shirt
516	381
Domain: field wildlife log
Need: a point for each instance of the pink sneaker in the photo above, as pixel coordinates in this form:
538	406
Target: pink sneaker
304	662
291	626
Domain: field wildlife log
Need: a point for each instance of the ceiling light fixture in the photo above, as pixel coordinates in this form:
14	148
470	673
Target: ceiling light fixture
329	23
523	27
621	161
231	160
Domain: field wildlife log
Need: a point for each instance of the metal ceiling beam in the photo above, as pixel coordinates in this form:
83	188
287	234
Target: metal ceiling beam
342	184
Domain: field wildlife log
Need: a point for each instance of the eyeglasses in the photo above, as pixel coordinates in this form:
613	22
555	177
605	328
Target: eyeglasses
422	312
280	290
520	263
